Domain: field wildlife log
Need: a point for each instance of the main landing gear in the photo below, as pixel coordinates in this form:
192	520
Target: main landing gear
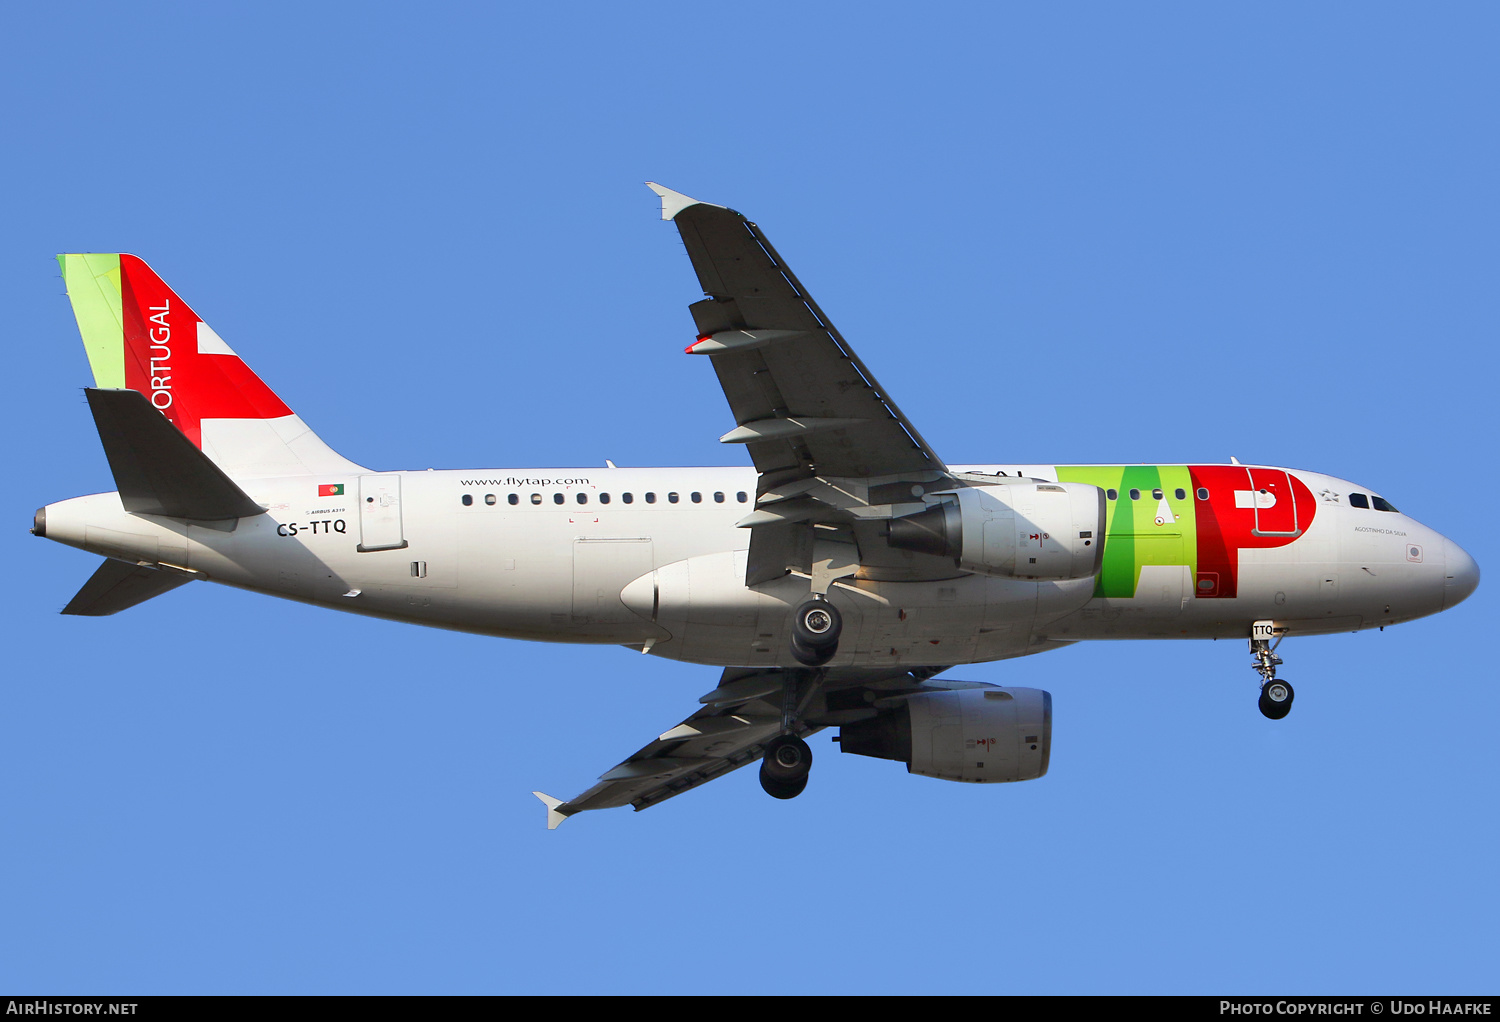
788	760
816	626
785	766
1275	695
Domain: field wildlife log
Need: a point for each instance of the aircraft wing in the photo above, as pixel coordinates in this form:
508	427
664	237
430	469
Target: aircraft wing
804	404
736	721
806	407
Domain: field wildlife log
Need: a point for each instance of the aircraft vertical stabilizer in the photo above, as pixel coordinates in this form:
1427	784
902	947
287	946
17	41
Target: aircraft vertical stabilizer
141	336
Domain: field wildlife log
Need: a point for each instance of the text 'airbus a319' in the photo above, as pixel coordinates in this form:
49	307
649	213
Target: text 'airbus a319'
834	581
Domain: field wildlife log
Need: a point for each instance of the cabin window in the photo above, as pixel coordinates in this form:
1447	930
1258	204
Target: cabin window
604	498
1359	500
468	499
557	498
513	499
697	497
650	498
489	498
1180	493
672	498
536	498
1112	494
1156	494
1135	494
718	498
627	498
1381	504
741	497
1203	493
583	498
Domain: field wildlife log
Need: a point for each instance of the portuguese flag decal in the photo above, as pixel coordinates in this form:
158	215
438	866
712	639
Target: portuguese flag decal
331	490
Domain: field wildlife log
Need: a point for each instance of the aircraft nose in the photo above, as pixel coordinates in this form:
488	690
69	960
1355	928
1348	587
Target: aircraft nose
1462	576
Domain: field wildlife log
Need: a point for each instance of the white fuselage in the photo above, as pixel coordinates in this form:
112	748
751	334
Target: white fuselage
652	559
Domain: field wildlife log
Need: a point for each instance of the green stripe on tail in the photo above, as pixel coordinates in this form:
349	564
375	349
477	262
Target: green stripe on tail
93	282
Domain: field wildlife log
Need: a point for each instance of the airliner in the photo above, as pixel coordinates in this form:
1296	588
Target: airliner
833	580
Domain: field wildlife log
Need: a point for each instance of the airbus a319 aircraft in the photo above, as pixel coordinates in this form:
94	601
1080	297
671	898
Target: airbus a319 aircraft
834	581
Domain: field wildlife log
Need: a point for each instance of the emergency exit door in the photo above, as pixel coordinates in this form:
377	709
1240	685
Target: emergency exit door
380	512
1275	503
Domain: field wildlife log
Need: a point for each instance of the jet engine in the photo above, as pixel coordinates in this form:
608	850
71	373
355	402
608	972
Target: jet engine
979	735
1020	529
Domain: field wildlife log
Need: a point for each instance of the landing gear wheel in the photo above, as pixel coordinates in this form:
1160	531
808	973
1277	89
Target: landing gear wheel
817	624
785	766
816	627
811	657
1276	699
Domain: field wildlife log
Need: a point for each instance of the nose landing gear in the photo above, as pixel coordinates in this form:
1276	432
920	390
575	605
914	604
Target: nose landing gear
1275	695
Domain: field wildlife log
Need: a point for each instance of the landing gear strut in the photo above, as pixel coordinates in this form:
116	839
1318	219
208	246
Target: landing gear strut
1275	695
816	626
787	760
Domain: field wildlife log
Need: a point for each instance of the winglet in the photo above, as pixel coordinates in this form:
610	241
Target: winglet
553	816
672	202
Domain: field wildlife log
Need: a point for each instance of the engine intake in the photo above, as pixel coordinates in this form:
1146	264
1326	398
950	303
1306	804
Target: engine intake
978	735
1021	530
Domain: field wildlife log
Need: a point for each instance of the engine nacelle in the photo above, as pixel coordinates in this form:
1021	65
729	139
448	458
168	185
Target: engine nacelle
980	735
1020	529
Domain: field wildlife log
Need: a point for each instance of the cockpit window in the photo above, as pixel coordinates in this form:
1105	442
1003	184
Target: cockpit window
1359	500
1381	504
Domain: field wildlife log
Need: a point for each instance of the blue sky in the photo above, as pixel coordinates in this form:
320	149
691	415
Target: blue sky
1092	232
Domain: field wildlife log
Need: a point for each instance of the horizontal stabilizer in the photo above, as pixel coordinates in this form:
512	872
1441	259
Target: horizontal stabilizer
158	471
118	585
